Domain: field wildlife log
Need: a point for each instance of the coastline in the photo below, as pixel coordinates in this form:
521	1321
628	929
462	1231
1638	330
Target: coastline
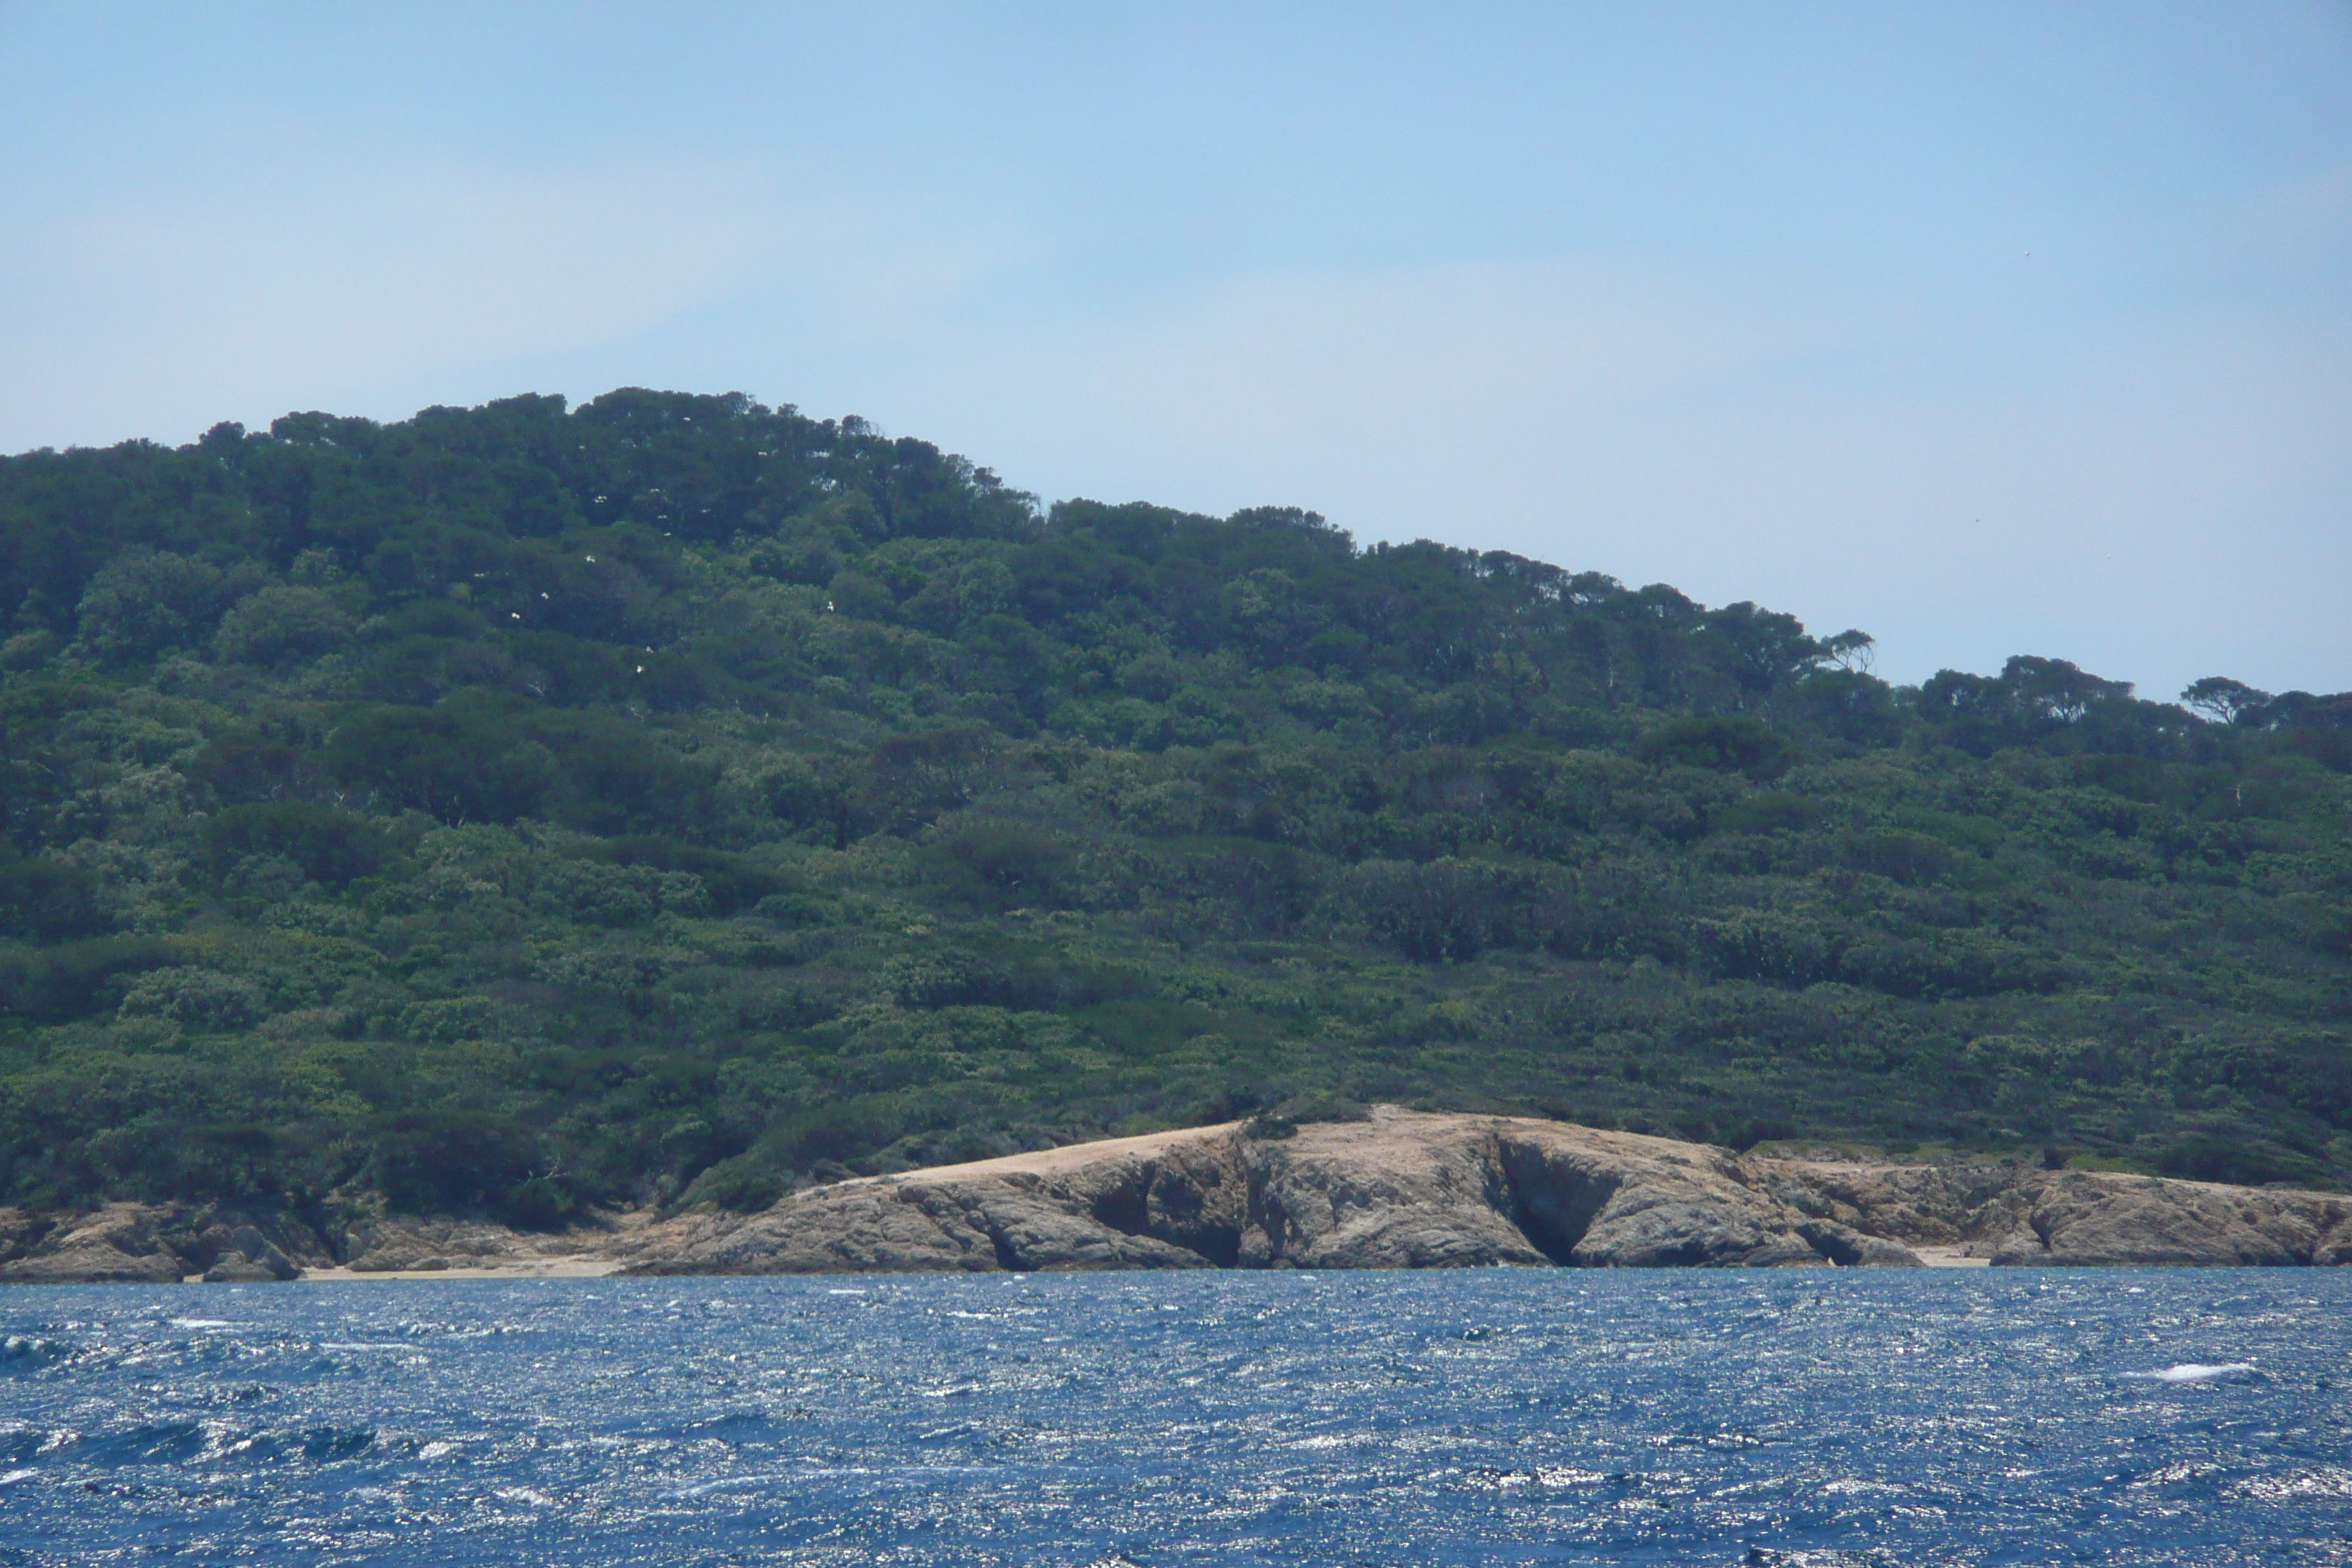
1395	1189
1932	1257
606	1268
557	1268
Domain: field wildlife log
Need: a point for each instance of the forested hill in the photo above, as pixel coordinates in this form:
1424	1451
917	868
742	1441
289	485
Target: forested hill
674	799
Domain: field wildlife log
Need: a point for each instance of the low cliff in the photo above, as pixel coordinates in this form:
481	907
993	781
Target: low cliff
1412	1189
1400	1190
164	1244
2078	1217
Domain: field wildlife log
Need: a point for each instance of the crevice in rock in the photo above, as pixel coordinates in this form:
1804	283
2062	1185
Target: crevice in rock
1552	1203
1008	1257
1166	1203
1127	1206
1839	1244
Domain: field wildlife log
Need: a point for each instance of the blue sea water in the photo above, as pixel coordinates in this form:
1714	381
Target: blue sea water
1502	1416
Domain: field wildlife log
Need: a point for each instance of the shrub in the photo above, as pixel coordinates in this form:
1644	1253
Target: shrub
1726	744
732	881
331	845
280	624
455	761
456	1160
1000	865
1906	856
146	601
42	900
72	981
1451	908
195	998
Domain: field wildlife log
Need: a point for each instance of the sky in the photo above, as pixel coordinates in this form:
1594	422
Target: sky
1988	330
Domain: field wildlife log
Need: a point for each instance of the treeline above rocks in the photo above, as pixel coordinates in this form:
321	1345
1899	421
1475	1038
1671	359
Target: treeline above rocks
673	798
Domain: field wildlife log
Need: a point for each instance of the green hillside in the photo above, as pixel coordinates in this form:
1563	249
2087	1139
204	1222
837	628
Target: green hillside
673	798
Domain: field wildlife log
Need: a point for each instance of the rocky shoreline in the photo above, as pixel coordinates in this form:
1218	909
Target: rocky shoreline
1398	1190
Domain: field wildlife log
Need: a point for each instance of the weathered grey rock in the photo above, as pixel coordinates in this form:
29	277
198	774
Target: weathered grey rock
2083	1217
2016	1216
1619	1200
245	1256
1936	1205
403	1243
170	1241
250	1256
21	1231
1395	1191
118	1244
1400	1190
1850	1248
1016	1220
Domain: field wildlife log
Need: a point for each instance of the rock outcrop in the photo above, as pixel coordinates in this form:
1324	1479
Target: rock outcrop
246	1255
2011	1218
166	1243
1419	1191
1398	1190
116	1245
153	1244
1403	1190
2078	1218
428	1244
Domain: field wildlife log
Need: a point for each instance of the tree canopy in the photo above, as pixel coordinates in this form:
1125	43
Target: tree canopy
679	799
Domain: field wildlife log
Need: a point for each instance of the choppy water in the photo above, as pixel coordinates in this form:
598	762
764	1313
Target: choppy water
1812	1417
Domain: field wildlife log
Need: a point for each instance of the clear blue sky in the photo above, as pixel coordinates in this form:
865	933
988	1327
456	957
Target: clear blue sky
1989	328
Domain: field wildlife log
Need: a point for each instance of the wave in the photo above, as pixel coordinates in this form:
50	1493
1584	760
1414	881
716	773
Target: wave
149	1443
2328	1482
2195	1371
27	1352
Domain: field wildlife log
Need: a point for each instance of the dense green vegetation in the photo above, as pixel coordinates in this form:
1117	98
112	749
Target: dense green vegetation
674	798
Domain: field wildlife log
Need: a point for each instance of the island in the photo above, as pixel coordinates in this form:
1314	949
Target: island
673	832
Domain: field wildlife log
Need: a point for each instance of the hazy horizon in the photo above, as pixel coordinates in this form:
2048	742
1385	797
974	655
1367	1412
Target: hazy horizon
1988	333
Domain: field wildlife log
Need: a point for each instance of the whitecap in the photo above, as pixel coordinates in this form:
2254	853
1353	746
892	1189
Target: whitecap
840	1292
1564	1476
1492	1480
731	1484
13	1477
2331	1481
201	1323
2194	1372
766	1478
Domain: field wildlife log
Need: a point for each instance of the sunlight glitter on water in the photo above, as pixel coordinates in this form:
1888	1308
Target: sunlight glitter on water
1892	1418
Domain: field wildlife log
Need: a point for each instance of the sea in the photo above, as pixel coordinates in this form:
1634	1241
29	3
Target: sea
1810	1418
